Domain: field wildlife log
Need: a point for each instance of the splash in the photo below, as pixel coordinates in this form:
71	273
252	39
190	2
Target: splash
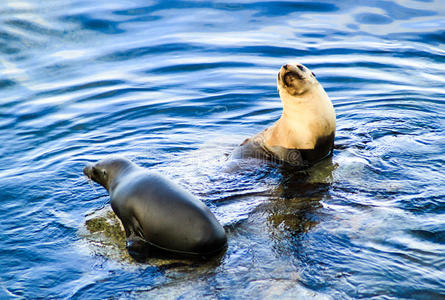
92	185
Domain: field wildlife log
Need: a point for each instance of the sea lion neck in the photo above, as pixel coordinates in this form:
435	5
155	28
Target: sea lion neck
296	105
304	119
119	173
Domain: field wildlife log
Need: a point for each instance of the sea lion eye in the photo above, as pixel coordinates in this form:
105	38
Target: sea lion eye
104	172
301	68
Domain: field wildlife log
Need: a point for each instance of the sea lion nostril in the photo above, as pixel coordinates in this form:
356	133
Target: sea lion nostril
286	66
87	170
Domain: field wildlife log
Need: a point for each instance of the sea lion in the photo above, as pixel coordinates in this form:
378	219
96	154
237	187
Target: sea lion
156	213
305	132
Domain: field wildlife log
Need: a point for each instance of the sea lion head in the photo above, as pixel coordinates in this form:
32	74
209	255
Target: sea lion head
295	80
106	170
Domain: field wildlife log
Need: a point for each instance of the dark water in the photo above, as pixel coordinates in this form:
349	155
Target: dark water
175	86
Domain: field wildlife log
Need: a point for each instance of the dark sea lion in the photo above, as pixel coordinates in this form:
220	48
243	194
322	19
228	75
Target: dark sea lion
157	213
305	133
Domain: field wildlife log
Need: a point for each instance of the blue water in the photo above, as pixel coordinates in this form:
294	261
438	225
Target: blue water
175	86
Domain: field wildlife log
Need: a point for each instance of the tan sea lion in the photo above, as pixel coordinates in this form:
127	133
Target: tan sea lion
305	132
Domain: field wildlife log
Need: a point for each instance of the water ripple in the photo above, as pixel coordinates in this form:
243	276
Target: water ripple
176	86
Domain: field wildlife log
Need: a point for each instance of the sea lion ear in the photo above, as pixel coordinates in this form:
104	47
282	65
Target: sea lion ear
314	74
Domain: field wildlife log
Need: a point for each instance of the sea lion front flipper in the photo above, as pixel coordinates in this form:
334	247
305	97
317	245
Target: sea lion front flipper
137	247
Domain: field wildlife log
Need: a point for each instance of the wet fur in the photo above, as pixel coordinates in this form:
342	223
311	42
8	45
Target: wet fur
157	214
306	130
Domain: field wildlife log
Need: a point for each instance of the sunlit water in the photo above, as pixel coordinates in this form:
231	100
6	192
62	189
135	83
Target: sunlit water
175	86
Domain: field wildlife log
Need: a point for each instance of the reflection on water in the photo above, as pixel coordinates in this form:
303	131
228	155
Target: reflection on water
175	86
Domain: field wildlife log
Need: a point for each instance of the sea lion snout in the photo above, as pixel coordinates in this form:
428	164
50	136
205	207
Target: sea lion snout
93	173
295	79
298	69
88	170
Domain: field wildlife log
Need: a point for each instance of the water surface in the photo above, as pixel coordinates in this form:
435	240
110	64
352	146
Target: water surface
175	86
